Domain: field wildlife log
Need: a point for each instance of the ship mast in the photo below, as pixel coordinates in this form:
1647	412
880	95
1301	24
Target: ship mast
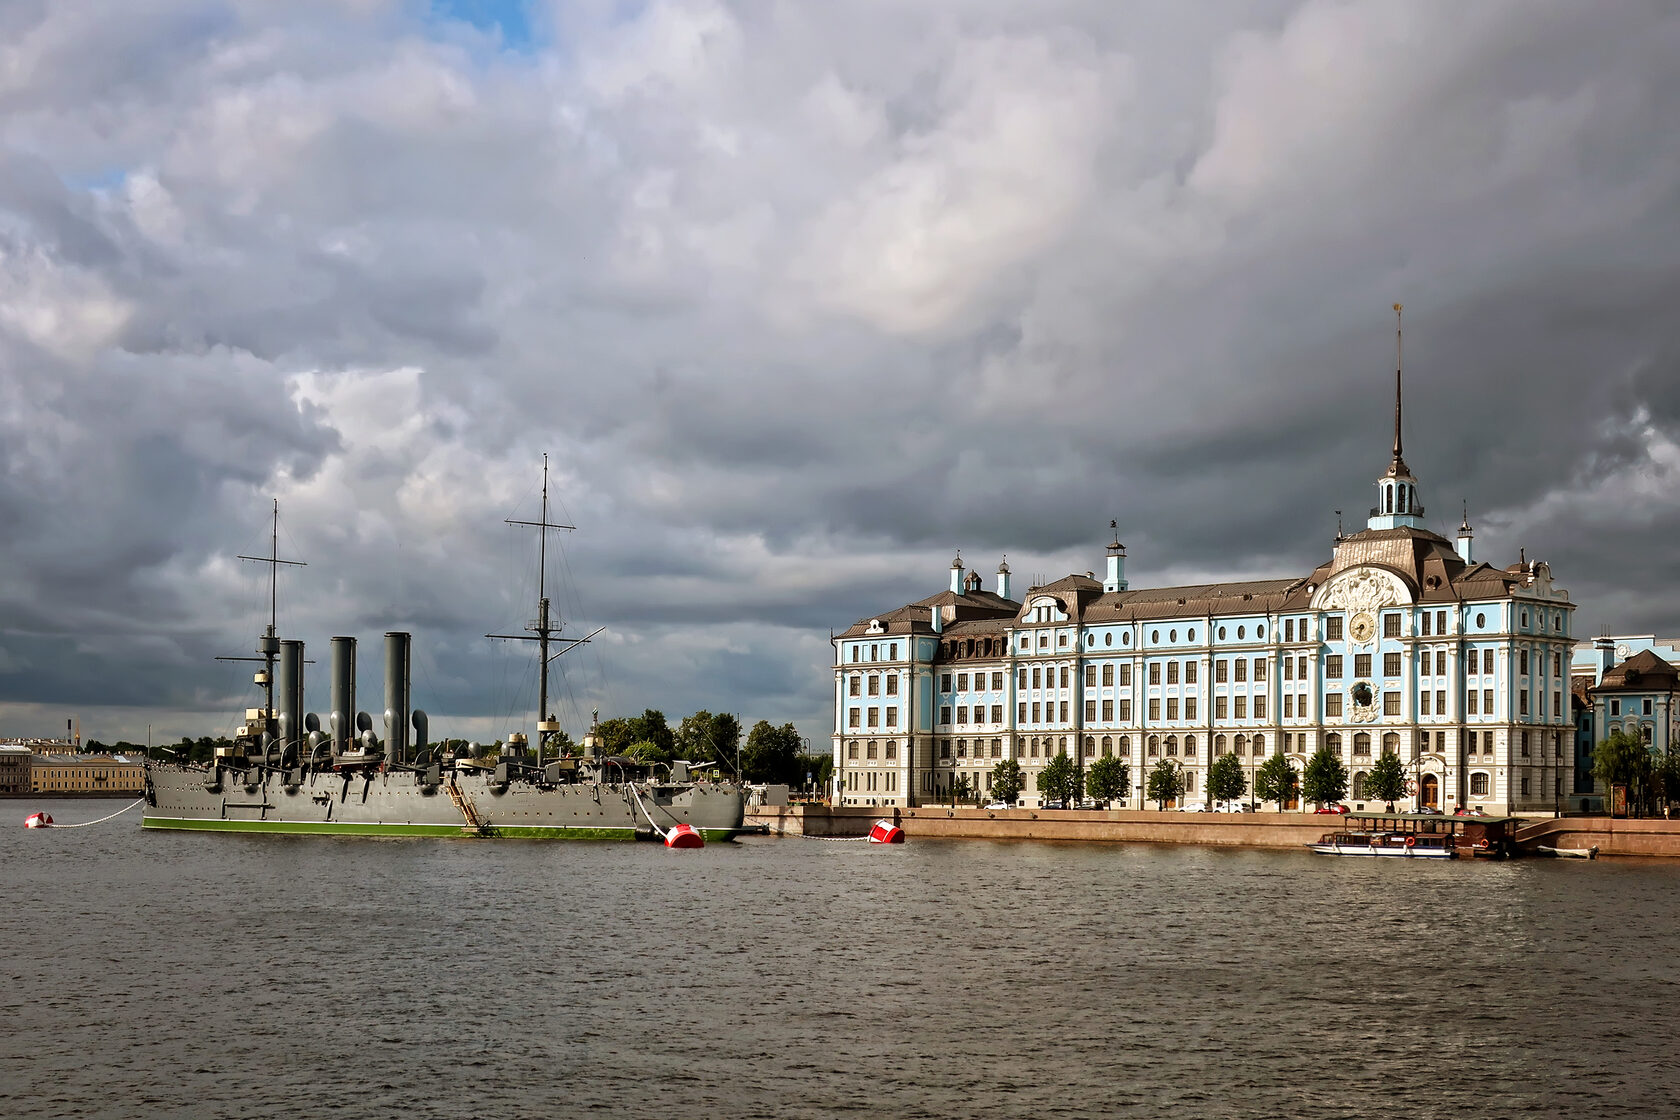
269	644
546	627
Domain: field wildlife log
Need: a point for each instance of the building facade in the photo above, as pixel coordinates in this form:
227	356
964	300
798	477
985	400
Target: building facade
1628	683
14	769
86	774
1400	642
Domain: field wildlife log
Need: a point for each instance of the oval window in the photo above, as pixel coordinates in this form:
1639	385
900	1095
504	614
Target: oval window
1222	633
1259	631
1192	635
1108	638
1361	694
1481	621
1155	635
1242	632
1126	638
1172	635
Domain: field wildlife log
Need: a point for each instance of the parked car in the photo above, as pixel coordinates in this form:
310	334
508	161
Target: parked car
1053	805
1331	809
1430	810
1000	805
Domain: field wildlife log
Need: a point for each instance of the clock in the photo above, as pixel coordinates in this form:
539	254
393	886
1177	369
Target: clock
1362	626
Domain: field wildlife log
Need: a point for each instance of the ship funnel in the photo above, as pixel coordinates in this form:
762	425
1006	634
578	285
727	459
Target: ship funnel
343	692
396	695
289	696
422	733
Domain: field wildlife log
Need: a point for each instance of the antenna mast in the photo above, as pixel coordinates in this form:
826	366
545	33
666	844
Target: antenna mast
545	627
269	645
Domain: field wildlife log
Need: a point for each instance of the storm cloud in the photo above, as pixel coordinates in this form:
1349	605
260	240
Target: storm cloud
799	299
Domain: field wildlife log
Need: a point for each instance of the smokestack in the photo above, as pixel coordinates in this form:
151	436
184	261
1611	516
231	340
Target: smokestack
289	696
396	695
343	693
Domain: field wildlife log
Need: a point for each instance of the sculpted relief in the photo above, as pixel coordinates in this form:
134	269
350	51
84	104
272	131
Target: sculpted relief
1361	589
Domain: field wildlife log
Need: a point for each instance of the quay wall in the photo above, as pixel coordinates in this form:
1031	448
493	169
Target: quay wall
1659	838
1243	830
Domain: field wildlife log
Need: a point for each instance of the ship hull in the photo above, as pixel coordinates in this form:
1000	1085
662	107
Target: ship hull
468	803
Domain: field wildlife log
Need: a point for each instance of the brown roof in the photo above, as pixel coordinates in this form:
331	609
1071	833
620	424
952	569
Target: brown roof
1643	672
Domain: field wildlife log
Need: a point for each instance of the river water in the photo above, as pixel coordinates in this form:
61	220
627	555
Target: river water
158	974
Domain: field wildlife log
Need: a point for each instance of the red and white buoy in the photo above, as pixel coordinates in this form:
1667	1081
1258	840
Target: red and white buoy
684	836
38	820
886	832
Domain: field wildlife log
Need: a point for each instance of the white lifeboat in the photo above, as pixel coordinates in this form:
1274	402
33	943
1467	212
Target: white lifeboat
38	820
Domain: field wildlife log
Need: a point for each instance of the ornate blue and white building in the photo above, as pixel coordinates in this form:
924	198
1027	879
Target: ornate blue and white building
1401	641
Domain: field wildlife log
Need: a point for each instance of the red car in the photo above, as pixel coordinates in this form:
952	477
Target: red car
1331	809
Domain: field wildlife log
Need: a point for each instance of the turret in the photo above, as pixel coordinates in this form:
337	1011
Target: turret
1466	538
1116	578
957	575
1003	579
1397	497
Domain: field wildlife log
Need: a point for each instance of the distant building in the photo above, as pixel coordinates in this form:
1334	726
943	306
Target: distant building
1629	683
82	774
1400	642
14	770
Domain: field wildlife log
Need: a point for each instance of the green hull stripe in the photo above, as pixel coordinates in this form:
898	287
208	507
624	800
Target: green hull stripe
353	828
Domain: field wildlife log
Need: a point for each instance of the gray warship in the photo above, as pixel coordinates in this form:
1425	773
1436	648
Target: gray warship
287	773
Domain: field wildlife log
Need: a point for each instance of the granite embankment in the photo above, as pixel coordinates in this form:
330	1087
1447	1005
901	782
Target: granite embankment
1245	830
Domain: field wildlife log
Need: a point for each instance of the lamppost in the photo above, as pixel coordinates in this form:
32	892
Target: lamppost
1178	784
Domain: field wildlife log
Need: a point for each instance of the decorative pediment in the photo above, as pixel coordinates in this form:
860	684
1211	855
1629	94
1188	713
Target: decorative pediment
1362	589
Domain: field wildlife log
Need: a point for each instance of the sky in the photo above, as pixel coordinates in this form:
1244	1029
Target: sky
799	300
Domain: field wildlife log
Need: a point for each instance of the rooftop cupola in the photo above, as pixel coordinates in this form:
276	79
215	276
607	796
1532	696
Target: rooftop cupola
1003	579
1397	498
1466	538
957	575
1116	578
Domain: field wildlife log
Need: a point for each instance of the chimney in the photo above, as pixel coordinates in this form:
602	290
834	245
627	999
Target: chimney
1003	579
957	575
289	698
396	695
343	714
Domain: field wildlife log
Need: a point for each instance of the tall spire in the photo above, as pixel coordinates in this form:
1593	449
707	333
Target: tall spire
1397	366
1397	501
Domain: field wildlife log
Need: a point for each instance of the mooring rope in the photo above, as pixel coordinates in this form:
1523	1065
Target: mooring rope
663	835
803	836
102	820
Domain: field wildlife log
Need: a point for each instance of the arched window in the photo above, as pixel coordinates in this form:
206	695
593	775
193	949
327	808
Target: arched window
1388	499
1189	746
1259	745
1125	746
1333	743
1242	744
1218	745
1359	785
872	747
1478	785
1154	745
1061	744
1391	743
1107	746
1362	745
892	749
1172	746
1035	747
1090	747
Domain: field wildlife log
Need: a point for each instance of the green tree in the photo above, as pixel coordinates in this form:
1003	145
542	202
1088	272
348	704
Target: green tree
1226	780
1325	778
1624	759
1008	781
815	770
1666	778
1387	780
704	737
1060	780
772	753
1108	780
960	790
1276	780
1165	783
616	735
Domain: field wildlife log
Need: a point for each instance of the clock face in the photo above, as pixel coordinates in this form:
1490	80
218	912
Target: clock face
1362	627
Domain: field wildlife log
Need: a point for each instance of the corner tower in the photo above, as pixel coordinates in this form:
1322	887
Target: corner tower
1397	497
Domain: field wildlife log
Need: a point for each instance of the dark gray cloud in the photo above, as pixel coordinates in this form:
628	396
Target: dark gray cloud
798	308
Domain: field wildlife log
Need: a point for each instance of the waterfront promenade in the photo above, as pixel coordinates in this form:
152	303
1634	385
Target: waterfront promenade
1220	830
